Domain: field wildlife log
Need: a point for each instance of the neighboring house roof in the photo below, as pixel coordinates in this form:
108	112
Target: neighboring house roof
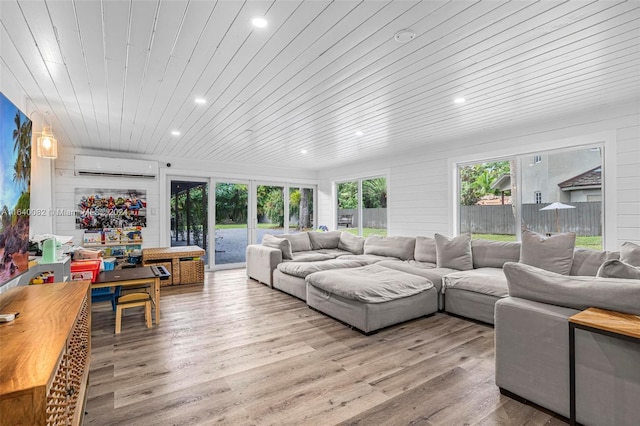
590	179
503	183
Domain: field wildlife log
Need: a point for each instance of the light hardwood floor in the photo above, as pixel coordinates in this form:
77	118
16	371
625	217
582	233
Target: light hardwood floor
237	352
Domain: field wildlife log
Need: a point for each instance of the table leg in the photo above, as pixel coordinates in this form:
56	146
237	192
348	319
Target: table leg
572	374
156	298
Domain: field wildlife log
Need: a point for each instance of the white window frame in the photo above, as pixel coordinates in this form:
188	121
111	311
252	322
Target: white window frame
606	141
359	179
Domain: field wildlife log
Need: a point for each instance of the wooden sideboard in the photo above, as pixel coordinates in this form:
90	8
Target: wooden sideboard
184	263
44	360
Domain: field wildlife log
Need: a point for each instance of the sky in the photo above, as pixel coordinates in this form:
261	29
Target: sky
9	193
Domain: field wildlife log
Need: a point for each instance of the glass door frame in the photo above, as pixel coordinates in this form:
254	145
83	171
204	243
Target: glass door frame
286	187
251	202
167	214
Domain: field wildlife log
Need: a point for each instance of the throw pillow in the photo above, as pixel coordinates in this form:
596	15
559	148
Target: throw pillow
425	250
630	253
454	253
400	247
299	242
494	254
618	269
586	262
351	243
554	253
281	244
531	283
324	240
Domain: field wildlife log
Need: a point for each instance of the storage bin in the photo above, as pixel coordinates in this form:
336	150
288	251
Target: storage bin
191	271
85	270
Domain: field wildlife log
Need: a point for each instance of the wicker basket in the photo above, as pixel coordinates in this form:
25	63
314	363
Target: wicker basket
191	271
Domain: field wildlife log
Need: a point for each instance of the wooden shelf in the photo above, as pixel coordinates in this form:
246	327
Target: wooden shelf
87	245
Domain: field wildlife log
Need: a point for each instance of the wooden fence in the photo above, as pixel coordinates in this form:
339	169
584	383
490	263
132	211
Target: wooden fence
372	218
584	220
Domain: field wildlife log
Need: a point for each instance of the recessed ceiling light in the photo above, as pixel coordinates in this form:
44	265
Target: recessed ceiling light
200	101
459	100
304	151
175	133
259	22
359	133
404	36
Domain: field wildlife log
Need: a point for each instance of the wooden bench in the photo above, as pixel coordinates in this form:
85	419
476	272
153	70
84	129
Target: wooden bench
345	220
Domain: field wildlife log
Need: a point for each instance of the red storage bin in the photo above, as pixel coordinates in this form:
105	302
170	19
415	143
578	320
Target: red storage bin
85	270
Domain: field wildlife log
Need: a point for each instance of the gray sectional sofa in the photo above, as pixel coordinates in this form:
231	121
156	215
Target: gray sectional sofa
467	274
528	290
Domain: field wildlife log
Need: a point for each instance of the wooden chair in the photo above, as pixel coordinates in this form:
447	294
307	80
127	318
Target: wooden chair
132	300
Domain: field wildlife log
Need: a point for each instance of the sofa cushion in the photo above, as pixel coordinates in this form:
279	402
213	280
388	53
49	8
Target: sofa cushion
351	243
586	262
454	253
368	259
369	284
299	242
282	244
489	281
539	285
618	269
336	252
310	256
400	247
324	240
302	269
554	253
630	253
421	269
494	254
425	250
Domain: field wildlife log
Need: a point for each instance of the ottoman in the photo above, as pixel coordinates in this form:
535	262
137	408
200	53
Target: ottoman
371	297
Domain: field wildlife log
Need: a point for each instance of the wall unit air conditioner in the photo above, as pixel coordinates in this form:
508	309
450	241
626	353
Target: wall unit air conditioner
88	165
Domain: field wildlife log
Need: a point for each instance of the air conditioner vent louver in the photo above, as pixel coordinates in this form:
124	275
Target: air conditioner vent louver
86	165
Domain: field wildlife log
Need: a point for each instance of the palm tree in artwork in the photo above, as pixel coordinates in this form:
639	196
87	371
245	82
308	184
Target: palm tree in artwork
22	146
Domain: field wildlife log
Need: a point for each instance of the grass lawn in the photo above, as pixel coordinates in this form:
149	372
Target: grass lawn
585	242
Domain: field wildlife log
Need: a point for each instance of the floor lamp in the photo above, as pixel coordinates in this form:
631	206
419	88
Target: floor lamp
557	207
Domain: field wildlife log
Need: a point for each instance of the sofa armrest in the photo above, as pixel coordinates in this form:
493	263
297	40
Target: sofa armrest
261	262
532	361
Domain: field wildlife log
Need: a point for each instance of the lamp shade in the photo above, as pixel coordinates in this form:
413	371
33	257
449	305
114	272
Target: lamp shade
47	146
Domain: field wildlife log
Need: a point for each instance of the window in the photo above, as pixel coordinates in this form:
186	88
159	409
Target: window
538	197
537	159
573	177
362	201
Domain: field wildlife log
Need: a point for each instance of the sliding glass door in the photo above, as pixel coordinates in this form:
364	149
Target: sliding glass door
232	230
269	211
189	213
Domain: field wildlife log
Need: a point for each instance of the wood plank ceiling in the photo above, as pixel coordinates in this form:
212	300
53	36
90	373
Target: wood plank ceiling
122	75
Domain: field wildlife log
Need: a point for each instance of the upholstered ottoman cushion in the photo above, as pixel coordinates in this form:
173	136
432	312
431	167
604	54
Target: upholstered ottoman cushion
371	297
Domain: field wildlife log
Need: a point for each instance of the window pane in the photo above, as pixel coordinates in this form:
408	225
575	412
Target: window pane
270	210
300	209
374	207
485	200
572	178
348	203
231	222
189	214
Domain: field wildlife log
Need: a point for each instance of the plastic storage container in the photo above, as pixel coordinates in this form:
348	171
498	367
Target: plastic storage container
85	270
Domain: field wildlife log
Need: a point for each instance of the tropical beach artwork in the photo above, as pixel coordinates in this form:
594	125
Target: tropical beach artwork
15	183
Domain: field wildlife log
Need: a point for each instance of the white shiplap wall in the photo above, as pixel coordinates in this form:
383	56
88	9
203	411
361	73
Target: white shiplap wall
628	183
421	183
66	184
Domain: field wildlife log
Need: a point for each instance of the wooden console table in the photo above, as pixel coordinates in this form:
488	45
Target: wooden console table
44	361
596	320
185	264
